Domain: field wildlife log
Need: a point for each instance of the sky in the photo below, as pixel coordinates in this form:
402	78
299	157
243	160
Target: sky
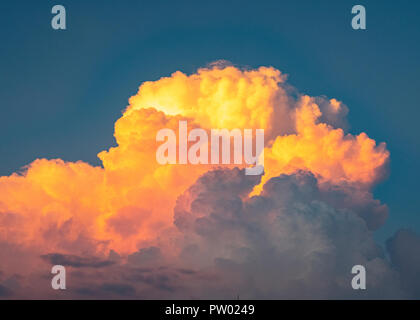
61	91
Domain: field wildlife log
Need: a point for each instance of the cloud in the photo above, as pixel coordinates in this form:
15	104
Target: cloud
4	291
119	289
284	243
404	250
76	261
73	207
106	291
329	153
145	256
135	228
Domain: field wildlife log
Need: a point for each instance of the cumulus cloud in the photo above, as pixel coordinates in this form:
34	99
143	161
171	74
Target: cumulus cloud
136	229
285	243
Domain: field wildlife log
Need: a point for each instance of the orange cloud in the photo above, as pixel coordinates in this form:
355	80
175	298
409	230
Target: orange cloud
329	153
128	203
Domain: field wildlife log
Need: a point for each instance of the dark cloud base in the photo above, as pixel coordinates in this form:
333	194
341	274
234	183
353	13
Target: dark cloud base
293	241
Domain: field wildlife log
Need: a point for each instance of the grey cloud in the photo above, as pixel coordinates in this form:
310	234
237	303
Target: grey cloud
5	291
144	256
285	243
404	251
119	289
298	239
76	261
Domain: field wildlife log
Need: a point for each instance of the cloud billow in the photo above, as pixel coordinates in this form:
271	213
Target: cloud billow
133	228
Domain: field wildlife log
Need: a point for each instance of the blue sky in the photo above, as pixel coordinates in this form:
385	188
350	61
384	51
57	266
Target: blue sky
61	91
